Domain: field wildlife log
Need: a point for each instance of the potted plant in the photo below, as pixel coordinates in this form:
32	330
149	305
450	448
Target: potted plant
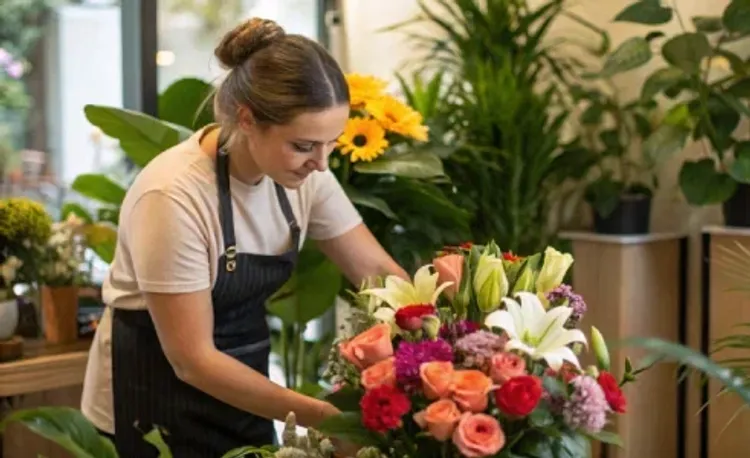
713	85
621	184
60	261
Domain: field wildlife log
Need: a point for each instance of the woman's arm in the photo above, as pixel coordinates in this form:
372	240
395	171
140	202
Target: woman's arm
184	323
360	256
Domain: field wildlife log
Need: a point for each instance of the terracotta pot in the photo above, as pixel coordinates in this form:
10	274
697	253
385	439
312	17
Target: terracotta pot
8	318
60	313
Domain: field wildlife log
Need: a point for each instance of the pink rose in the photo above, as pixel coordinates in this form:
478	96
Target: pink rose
505	366
369	347
437	379
439	418
378	374
478	435
450	268
471	389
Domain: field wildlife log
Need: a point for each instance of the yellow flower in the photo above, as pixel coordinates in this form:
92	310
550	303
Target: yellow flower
363	88
363	138
398	117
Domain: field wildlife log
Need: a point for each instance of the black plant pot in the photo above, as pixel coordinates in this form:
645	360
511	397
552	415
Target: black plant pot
737	208
632	215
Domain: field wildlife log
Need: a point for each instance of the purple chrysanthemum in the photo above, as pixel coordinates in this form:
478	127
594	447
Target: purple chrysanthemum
410	355
587	406
564	295
454	331
475	350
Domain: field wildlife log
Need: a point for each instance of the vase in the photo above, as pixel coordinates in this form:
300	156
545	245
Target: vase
60	313
631	216
737	208
8	318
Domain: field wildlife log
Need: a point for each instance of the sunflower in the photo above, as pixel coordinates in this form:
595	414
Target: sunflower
364	88
398	117
363	138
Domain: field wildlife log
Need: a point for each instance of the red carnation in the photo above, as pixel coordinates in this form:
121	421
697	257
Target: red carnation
613	393
509	256
383	407
519	396
409	318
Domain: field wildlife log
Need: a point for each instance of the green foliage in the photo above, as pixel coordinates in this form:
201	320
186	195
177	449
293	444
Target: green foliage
710	107
497	117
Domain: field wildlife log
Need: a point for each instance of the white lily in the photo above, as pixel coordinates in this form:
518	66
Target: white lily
537	332
399	293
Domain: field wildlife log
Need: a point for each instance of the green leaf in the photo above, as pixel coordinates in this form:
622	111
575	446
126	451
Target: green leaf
735	103
593	114
348	426
99	188
242	452
702	184
376	203
736	63
647	13
736	16
142	137
691	358
740	89
75	209
310	292
607	437
102	238
66	427
187	102
739	169
541	416
576	445
664	142
660	80
346	399
409	165
155	438
631	54
108	215
708	24
687	51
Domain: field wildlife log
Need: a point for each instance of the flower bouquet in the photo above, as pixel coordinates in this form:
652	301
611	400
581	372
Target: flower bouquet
478	356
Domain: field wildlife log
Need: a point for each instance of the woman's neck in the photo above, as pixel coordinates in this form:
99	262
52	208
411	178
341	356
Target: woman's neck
241	164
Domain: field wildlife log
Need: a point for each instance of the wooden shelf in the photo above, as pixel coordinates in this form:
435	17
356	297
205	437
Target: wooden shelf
44	367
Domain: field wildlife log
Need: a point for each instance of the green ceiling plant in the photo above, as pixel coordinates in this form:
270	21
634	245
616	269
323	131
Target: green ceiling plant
707	107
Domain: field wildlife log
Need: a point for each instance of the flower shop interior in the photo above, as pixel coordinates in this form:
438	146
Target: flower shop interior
610	131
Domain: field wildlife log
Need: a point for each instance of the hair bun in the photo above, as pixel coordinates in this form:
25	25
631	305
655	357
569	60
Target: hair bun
246	39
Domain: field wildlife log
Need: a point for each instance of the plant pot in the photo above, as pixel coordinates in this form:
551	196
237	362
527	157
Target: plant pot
737	208
8	318
60	313
631	216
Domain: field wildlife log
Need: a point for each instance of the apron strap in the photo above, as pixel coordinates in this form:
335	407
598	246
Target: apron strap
226	217
286	208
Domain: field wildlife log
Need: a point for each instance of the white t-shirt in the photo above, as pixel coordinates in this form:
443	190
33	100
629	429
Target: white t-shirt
169	241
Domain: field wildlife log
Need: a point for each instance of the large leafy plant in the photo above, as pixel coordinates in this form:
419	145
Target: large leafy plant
503	109
710	106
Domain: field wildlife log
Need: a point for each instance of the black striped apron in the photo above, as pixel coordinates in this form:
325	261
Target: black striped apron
146	391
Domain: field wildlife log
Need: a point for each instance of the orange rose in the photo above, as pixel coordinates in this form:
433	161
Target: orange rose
450	268
369	347
378	374
439	418
437	379
505	366
470	390
478	435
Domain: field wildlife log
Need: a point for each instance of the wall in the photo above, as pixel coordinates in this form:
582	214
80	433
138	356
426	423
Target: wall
381	54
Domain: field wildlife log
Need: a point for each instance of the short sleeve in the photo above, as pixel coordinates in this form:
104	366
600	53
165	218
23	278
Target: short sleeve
332	213
168	248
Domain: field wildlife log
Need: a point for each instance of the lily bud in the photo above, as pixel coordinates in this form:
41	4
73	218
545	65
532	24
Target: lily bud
525	281
554	268
490	283
431	326
600	349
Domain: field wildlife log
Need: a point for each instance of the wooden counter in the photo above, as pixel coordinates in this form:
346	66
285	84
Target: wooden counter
46	375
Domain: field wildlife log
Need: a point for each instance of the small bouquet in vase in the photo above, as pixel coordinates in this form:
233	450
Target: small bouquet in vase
478	356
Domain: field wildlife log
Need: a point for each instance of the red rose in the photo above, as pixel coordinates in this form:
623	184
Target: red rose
612	392
519	396
409	318
383	407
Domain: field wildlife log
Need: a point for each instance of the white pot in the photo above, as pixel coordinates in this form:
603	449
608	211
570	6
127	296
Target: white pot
8	318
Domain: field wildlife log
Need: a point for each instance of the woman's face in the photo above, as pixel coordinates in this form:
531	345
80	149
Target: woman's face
289	153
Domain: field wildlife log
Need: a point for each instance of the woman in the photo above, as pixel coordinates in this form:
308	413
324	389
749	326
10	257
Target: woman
208	231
